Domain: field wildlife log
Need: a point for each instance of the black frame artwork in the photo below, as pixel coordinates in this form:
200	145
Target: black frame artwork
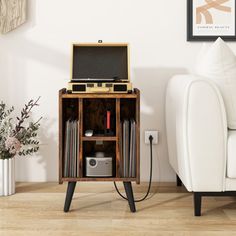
190	22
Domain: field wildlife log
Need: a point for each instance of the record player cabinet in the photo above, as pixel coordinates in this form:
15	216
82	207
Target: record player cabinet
87	108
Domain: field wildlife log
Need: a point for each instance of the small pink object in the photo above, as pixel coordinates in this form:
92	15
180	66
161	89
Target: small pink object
13	145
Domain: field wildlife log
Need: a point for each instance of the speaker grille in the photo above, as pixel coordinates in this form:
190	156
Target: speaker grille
90	85
79	87
109	85
120	88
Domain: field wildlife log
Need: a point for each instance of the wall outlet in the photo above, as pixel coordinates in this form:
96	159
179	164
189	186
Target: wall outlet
154	134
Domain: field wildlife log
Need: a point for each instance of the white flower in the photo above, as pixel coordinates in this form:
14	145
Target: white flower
13	145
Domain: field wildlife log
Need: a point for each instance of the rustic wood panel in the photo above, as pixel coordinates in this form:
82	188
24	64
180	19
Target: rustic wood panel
60	137
128	108
12	14
118	135
138	136
100	179
90	148
98	95
95	114
80	138
98	138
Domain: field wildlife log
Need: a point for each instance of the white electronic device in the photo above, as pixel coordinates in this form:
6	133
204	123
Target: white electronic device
89	133
99	166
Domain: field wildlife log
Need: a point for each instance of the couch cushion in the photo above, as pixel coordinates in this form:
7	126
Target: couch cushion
218	63
231	159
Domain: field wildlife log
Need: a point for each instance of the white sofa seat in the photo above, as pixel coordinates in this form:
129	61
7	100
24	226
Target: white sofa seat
196	133
202	151
231	157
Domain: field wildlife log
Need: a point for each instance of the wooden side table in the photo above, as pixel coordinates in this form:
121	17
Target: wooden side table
89	110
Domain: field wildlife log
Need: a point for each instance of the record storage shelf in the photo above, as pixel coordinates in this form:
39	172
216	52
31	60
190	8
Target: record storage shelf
125	106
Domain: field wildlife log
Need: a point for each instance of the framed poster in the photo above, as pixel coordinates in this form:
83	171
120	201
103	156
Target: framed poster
209	19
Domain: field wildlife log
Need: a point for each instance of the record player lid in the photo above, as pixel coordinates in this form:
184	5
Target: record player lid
103	62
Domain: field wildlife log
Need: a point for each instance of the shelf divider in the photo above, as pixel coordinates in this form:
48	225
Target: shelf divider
117	134
100	138
80	137
102	179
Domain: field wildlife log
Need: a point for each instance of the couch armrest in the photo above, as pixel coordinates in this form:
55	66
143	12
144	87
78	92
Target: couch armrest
196	132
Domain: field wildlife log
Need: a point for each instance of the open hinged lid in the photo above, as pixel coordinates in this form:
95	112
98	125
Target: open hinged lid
103	62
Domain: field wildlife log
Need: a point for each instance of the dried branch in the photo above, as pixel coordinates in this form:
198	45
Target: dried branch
25	115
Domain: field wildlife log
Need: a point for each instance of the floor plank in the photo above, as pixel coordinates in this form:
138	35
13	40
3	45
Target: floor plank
37	209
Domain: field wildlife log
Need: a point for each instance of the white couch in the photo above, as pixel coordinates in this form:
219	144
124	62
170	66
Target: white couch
202	151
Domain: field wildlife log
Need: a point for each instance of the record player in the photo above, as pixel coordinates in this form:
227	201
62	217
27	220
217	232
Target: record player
100	68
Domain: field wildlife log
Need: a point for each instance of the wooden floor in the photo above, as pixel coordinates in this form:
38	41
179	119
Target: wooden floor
37	209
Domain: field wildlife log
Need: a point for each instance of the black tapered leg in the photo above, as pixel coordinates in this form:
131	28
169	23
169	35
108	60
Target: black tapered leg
130	196
178	181
69	195
197	203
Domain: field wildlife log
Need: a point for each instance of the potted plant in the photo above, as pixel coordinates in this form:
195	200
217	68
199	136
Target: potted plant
18	137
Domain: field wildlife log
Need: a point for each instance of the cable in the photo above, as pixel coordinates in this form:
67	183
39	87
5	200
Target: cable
150	179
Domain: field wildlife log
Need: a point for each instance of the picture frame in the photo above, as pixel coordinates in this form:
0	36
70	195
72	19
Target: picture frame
209	19
13	13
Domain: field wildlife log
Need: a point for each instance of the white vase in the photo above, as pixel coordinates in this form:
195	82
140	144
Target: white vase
7	177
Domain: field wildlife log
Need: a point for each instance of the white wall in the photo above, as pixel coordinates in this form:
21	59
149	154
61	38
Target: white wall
35	61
